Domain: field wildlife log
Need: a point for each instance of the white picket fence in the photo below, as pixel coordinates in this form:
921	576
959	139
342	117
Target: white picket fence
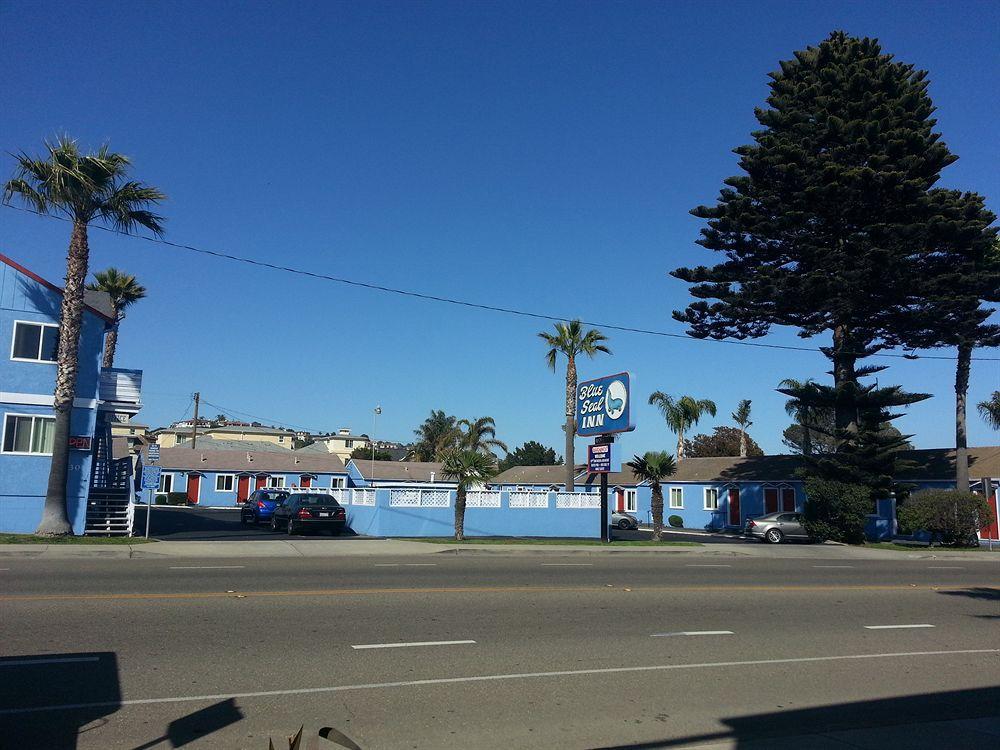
419	498
528	499
580	500
482	499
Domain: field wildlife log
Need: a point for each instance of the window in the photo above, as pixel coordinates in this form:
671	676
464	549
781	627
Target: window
28	434
630	501
276	482
711	498
35	342
348	443
336	482
166	483
676	497
224	482
281	438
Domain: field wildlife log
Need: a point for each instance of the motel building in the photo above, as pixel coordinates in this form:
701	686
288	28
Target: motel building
98	487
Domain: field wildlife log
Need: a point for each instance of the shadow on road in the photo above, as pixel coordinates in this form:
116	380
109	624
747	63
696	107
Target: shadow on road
211	525
893	721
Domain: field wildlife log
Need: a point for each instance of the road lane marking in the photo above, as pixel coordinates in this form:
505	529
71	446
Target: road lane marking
412	643
206	567
693	632
833	566
897	627
420	565
692	589
61	660
492	678
706	565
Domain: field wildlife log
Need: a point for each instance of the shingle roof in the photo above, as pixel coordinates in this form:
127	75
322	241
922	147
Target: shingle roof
100	301
254	446
393	471
939	463
184	458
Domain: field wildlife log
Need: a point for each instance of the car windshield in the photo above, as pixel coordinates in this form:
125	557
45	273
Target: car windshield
273	496
315	500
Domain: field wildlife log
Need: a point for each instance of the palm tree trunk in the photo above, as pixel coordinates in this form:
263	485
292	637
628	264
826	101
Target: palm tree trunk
570	423
743	443
55	520
111	344
460	514
657	508
961	439
680	445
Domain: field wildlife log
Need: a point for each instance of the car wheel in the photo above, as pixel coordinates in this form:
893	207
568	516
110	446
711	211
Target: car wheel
624	525
774	536
274	523
291	529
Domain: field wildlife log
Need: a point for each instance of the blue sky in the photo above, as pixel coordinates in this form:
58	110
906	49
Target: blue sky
529	155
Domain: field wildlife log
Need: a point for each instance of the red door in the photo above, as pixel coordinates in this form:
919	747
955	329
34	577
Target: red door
787	499
734	506
620	495
770	500
305	481
992	531
261	481
242	488
193	488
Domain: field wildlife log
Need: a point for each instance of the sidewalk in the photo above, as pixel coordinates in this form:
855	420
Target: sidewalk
403	548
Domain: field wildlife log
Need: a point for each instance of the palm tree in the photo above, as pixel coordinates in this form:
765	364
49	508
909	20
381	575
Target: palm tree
480	435
742	418
571	340
124	291
990	410
468	468
83	188
800	411
654	467
681	414
436	435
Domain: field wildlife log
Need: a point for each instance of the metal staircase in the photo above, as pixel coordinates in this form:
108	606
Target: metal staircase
109	504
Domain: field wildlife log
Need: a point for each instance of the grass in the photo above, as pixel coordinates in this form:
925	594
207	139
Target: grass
922	547
587	542
33	539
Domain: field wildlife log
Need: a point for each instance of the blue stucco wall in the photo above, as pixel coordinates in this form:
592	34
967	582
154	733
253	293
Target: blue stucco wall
23	479
210	498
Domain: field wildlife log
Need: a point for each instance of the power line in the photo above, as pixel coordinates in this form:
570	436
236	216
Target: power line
479	305
227	410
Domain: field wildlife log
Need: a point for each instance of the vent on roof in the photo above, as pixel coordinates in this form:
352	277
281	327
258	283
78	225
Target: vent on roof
249	457
203	459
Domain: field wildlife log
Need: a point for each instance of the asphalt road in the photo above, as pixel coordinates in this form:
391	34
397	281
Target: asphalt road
528	651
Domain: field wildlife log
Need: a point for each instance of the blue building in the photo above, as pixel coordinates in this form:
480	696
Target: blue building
225	478
29	331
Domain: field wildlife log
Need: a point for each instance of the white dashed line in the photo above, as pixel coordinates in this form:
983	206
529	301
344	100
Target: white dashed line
408	645
896	627
693	632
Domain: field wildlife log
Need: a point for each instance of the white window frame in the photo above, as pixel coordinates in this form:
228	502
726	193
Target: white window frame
3	437
670	498
705	492
232	482
631	499
272	482
13	338
337	483
161	489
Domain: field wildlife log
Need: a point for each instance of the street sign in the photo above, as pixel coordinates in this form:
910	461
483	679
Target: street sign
153	452
599	458
80	442
602	406
151	477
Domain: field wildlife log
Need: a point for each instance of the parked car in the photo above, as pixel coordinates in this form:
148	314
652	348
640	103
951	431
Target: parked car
259	507
624	521
776	527
303	511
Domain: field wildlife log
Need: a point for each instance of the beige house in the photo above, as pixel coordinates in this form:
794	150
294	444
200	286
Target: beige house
341	444
171	437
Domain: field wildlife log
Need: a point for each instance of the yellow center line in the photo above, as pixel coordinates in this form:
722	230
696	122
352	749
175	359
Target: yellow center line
468	590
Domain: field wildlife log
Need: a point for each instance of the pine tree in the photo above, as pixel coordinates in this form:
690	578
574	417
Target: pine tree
821	229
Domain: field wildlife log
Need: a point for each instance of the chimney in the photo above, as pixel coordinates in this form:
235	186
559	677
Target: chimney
249	457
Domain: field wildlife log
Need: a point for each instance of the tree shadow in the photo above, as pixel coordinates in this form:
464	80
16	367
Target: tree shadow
976	592
891	720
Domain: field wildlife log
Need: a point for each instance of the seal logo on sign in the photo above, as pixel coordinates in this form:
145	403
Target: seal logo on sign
614	403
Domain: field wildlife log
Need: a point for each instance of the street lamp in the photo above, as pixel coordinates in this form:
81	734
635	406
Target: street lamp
378	410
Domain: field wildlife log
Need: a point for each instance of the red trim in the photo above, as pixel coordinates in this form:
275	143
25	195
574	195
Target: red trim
242	488
193	488
734	506
35	277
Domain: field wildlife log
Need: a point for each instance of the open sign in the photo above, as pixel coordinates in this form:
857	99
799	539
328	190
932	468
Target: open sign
80	442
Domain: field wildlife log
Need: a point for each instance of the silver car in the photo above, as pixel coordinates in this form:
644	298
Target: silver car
776	527
624	521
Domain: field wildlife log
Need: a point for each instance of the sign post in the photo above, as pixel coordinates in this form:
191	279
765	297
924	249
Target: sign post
603	410
150	481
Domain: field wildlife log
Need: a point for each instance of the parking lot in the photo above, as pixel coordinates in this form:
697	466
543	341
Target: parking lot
210	524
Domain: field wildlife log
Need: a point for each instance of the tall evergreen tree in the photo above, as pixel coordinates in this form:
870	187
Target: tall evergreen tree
819	231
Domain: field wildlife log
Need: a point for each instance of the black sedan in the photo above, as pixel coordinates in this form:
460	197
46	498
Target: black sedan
303	511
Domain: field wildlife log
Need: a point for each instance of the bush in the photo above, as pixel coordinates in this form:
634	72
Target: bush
949	515
676	521
837	510
161	500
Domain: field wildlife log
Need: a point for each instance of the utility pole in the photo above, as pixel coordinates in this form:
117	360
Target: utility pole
378	410
194	425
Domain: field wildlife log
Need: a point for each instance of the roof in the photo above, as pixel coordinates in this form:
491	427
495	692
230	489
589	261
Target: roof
98	303
216	444
400	471
251	430
939	463
188	459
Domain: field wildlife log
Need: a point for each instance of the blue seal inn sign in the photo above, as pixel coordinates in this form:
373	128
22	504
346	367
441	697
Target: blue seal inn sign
603	406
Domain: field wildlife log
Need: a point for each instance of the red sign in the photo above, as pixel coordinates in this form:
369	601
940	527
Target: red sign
79	442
